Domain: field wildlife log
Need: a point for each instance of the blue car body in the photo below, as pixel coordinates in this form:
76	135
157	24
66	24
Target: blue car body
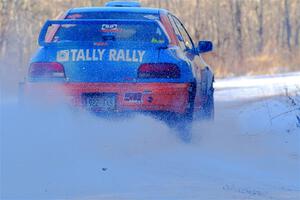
123	57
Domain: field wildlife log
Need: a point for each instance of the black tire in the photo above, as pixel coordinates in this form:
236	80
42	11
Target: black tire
208	108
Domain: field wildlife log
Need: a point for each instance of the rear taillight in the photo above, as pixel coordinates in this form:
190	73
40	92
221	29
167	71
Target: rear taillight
46	70
159	70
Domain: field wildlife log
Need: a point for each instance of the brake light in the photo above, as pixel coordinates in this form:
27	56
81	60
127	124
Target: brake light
158	70
46	70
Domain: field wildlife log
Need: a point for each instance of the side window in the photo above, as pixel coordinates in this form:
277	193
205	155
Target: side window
187	39
177	32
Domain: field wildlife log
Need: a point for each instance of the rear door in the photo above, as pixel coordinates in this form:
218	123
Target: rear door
186	44
189	49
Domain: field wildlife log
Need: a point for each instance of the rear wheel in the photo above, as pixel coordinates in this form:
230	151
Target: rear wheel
181	124
184	122
207	111
184	127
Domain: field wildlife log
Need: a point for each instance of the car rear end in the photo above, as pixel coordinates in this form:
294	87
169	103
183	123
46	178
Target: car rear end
110	65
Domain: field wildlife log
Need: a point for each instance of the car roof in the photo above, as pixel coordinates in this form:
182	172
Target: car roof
143	10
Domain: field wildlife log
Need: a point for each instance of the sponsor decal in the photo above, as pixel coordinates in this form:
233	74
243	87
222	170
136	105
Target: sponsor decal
63	56
110	28
100	44
133	97
157	41
113	55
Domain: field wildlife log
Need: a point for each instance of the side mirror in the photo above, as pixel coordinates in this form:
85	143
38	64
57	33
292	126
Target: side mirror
205	46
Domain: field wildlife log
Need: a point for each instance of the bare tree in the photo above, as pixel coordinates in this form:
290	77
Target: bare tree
260	16
287	23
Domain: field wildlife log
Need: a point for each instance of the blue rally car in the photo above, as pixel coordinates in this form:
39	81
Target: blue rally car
121	58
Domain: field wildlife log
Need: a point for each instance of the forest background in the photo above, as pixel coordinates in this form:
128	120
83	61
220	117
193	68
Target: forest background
250	36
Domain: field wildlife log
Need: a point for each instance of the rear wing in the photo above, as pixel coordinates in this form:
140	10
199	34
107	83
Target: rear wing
46	39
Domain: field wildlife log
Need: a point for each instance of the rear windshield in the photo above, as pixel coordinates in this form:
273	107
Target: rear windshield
119	31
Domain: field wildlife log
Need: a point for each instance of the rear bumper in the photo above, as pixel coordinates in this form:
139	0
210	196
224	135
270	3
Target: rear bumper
169	97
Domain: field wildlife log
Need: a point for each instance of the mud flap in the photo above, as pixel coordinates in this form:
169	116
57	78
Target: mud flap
207	93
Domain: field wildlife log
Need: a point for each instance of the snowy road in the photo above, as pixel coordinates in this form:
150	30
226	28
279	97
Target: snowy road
251	151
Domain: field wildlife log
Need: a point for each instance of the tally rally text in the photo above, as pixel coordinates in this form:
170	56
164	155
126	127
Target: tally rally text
114	55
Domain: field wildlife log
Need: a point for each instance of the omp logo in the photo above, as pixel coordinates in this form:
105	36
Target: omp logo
111	27
63	56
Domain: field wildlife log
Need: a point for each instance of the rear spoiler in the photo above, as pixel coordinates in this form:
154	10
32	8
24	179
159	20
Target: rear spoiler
43	41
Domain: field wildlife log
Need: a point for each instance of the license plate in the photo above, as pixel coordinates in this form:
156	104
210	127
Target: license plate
100	102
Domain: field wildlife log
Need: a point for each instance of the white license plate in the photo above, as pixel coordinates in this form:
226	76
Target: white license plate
100	102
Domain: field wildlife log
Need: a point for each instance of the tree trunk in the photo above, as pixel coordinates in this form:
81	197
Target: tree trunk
260	16
287	23
238	26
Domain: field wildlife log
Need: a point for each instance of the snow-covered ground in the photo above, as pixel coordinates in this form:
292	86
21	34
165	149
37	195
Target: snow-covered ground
251	151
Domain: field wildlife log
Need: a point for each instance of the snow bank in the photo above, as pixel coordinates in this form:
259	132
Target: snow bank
246	88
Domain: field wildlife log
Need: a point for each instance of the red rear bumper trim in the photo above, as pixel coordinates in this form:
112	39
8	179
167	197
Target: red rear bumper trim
170	97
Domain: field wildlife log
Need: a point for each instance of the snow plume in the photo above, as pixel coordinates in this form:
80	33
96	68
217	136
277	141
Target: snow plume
250	151
42	146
